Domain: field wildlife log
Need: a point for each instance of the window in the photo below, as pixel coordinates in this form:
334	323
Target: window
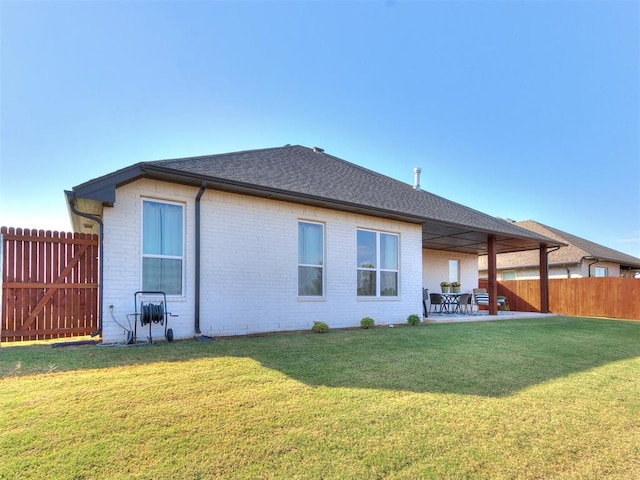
377	264
509	275
454	271
310	259
600	272
162	247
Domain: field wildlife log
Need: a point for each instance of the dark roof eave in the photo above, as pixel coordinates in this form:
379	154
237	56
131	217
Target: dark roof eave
621	262
275	194
103	189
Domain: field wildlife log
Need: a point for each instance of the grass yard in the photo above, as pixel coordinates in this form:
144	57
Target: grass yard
546	398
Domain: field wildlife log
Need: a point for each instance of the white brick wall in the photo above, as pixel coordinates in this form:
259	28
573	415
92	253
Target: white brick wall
122	261
249	265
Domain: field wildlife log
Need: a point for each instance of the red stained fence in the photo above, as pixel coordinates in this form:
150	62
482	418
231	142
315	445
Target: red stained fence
586	297
49	284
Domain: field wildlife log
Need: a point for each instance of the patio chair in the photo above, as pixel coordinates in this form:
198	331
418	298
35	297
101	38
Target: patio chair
480	297
435	299
464	301
425	297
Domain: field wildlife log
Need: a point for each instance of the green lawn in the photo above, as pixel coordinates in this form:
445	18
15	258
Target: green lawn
546	398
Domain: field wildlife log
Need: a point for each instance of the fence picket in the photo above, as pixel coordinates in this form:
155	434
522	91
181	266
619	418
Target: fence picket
610	297
49	284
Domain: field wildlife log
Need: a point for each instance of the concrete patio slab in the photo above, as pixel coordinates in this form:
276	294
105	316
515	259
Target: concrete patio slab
482	316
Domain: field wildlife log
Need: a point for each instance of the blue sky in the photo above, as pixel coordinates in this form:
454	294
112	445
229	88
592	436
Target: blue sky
522	110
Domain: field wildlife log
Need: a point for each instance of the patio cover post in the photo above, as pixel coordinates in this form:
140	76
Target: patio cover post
493	284
544	279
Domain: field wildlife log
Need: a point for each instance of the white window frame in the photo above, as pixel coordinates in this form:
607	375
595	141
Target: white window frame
600	272
454	270
378	269
321	266
509	273
172	257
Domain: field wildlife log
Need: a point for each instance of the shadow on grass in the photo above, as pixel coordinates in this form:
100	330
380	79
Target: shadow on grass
488	358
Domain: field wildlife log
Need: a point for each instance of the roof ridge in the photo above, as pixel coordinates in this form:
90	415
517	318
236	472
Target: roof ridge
211	155
585	245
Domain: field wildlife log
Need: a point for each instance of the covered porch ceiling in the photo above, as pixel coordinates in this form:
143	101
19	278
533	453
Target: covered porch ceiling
461	239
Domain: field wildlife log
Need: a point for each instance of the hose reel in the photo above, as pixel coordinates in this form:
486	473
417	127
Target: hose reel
152	313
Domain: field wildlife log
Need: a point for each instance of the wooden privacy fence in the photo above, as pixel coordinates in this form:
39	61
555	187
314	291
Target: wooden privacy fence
610	297
49	284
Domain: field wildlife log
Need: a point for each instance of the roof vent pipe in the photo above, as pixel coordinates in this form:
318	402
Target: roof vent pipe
416	178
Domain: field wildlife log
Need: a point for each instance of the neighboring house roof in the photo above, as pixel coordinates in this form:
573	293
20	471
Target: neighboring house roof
577	249
310	176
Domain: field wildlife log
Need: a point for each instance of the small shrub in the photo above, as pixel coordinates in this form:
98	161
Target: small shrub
320	327
367	322
413	319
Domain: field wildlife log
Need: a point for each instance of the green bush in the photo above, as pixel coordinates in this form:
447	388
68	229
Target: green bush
320	327
413	319
367	322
